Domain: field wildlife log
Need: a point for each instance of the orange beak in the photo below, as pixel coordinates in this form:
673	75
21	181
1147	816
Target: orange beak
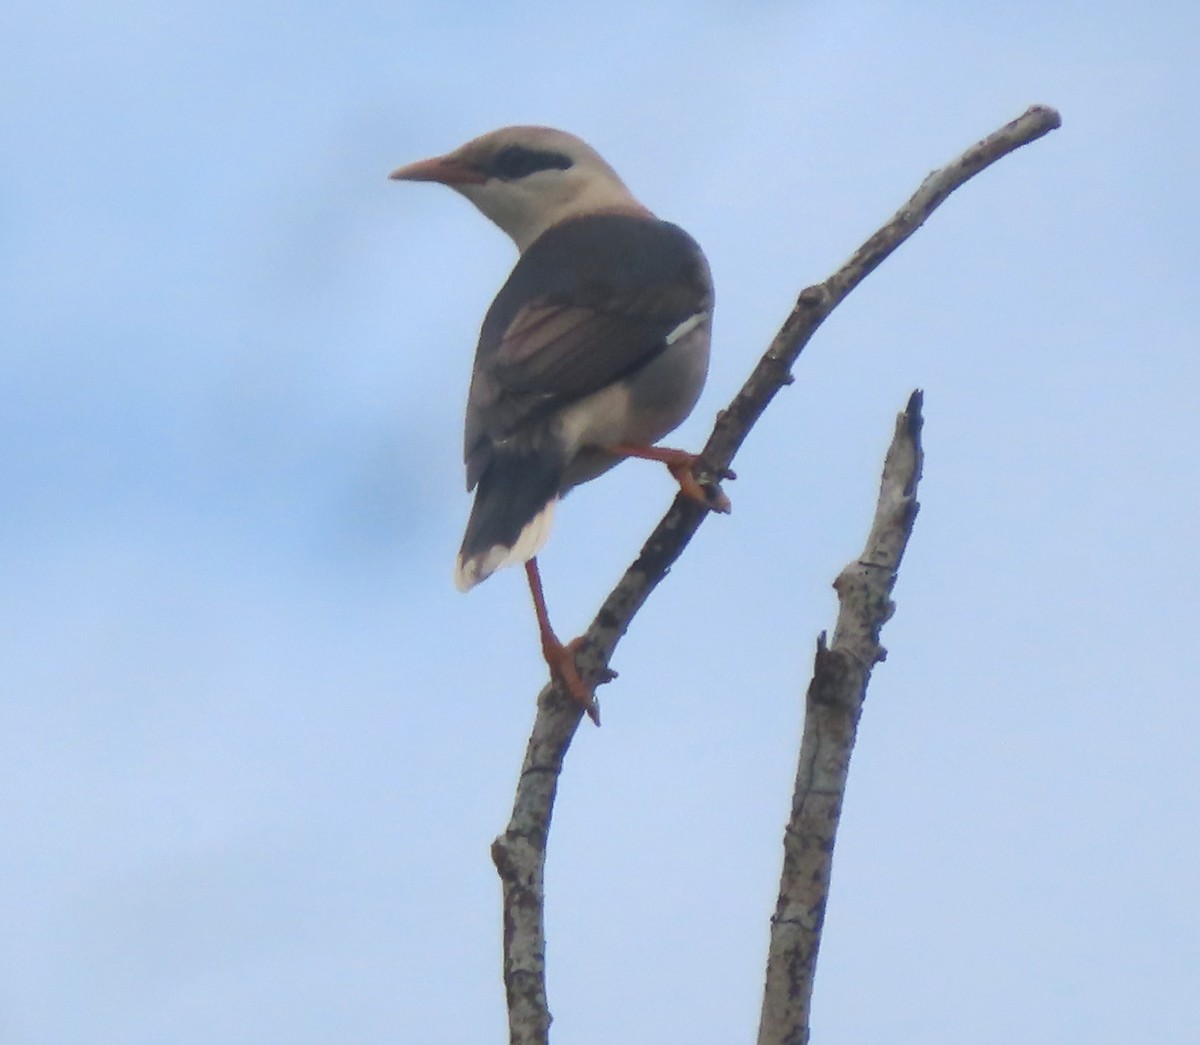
447	170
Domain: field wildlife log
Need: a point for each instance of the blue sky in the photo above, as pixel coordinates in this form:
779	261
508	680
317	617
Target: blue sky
254	743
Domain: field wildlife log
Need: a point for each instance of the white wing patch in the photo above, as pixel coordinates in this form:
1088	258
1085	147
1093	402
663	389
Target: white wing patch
686	327
528	543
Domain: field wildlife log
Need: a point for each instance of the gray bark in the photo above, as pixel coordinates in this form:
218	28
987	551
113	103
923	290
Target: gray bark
520	852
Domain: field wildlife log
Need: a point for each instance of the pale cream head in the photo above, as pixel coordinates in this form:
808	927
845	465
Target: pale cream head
527	179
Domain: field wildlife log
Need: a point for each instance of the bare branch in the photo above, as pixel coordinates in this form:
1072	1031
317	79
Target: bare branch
833	706
520	852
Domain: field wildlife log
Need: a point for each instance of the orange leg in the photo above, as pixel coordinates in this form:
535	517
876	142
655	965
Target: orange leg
559	658
680	464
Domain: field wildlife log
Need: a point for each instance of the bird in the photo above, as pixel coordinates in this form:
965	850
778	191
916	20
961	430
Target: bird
595	348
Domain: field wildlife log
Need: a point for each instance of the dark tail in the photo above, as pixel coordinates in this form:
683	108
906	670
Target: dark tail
510	519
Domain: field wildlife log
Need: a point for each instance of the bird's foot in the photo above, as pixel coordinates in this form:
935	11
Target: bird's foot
709	495
681	465
563	670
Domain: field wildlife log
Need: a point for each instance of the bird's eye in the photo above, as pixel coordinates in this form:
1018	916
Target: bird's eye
516	161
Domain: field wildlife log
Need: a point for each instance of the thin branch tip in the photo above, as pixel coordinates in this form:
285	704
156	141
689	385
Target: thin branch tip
1046	114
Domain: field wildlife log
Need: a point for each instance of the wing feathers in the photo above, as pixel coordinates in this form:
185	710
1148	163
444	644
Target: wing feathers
589	302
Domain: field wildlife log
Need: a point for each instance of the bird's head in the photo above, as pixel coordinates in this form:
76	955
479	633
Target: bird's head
527	178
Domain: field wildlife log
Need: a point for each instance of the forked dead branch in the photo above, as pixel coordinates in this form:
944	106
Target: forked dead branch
841	672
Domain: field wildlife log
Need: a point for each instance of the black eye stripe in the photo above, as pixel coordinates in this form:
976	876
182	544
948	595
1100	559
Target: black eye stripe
517	161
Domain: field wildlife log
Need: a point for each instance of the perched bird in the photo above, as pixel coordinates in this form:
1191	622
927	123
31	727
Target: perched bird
595	347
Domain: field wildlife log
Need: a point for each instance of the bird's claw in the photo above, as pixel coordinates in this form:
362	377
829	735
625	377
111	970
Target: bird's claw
681	465
565	673
707	494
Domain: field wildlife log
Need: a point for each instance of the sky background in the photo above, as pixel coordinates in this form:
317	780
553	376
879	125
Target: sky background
254	745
